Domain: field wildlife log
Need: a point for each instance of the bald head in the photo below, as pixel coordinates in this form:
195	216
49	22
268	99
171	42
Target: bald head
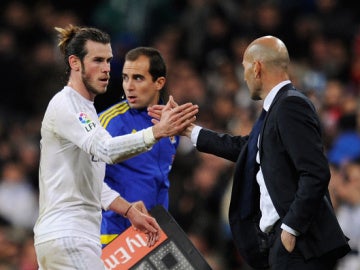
266	62
269	50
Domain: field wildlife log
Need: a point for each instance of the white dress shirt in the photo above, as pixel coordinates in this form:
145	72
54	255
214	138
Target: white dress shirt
269	214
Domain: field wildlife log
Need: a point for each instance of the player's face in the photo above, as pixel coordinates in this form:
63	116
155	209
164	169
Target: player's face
140	89
96	67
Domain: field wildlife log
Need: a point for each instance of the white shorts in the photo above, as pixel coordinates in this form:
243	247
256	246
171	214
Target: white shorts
68	253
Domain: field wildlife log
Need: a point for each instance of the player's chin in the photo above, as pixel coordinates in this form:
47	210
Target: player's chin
103	85
102	90
134	105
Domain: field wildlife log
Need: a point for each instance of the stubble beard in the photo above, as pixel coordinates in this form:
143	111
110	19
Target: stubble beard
255	95
90	88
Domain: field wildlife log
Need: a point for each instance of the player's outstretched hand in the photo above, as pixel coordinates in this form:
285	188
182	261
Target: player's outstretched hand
172	119
156	112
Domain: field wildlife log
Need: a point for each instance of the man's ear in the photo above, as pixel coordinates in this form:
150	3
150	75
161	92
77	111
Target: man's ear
74	62
257	69
160	82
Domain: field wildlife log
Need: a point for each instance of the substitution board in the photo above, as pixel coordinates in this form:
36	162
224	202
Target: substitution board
173	251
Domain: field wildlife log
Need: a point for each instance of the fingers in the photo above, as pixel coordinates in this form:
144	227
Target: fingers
155	111
145	223
173	121
152	231
288	240
172	102
185	107
184	112
154	121
180	118
187	115
156	107
154	224
152	238
167	106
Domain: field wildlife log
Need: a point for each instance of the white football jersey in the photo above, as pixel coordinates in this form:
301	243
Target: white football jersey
74	149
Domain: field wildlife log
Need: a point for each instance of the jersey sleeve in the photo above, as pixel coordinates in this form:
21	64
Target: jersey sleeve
116	149
107	196
84	130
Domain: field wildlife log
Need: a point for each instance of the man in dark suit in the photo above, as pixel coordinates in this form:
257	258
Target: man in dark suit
280	213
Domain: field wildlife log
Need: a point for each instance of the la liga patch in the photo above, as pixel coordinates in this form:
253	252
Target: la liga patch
86	121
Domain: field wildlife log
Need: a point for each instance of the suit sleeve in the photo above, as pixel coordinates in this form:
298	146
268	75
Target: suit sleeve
221	145
300	132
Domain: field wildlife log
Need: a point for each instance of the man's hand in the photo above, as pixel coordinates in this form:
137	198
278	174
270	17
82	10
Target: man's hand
288	240
155	112
139	217
141	220
173	119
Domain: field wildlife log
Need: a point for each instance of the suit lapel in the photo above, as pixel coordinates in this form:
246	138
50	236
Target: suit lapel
281	92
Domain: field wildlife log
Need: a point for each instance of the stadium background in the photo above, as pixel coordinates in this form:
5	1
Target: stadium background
202	42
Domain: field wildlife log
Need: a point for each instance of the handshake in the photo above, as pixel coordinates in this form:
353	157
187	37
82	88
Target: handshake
173	119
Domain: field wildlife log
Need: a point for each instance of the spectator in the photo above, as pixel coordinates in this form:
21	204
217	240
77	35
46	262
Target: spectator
18	200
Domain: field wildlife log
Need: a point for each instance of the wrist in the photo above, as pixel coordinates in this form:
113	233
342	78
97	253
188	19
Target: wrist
188	130
149	136
156	131
128	210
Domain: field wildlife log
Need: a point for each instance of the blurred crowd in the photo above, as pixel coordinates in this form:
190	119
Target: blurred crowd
202	42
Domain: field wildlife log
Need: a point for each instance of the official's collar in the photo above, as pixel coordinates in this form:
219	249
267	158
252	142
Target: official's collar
270	97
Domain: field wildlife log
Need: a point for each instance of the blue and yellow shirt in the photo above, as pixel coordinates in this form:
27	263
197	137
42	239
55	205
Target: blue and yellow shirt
143	177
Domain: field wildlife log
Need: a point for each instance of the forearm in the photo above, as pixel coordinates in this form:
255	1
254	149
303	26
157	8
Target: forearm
115	149
221	145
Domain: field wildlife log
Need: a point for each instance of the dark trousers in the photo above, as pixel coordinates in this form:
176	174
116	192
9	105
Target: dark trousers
281	259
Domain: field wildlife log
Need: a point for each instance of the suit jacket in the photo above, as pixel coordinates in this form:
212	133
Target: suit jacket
296	174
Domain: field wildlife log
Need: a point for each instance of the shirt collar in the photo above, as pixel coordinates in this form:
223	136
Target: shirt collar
270	97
